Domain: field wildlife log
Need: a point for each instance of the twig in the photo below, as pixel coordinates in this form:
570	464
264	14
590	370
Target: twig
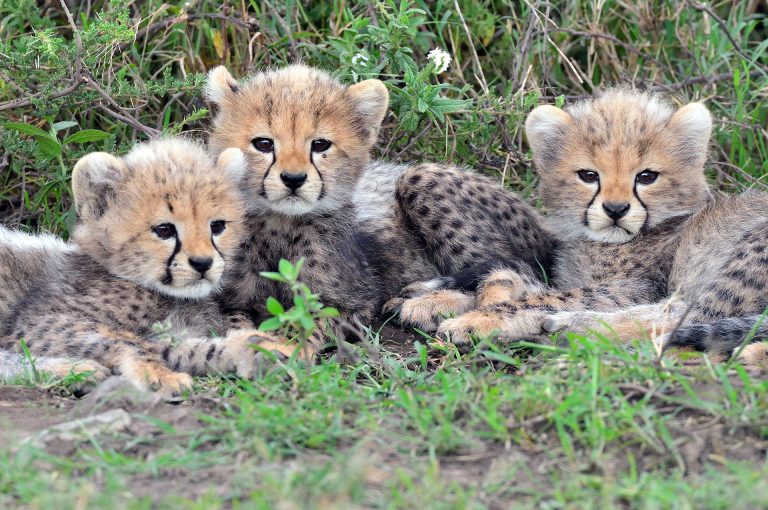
19	103
476	59
613	39
77	76
413	140
723	26
153	28
695	80
78	40
535	13
123	114
150	132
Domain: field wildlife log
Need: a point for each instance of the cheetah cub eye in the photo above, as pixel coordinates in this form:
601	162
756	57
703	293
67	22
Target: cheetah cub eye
263	144
646	177
218	226
320	145
588	176
164	231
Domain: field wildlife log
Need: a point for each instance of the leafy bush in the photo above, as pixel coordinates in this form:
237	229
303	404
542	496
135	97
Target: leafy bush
134	70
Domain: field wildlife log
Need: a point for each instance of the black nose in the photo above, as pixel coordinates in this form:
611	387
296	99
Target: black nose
615	211
293	181
201	264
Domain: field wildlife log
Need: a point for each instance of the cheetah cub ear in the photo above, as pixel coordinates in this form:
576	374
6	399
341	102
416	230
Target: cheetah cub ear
94	181
370	99
546	128
220	85
691	127
232	163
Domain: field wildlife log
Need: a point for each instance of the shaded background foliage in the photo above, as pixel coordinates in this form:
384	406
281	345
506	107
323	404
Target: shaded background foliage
134	70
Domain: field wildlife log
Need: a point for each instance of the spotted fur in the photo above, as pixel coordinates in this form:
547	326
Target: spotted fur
155	232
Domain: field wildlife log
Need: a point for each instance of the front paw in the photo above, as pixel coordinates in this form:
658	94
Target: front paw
156	377
504	286
484	323
428	311
577	322
414	290
247	353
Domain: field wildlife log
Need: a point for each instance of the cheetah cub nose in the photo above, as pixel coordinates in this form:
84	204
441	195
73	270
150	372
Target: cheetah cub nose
293	181
201	264
616	211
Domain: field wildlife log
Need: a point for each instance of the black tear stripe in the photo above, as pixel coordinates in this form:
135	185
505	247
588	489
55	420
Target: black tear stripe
585	221
213	243
644	228
322	181
168	278
263	191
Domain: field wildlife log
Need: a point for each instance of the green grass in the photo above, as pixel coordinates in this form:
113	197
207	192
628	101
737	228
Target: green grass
588	424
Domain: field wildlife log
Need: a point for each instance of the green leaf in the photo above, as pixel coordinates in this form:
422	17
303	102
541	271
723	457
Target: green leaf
298	266
271	324
286	269
27	129
307	323
330	311
273	276
48	146
64	124
87	135
274	306
448	105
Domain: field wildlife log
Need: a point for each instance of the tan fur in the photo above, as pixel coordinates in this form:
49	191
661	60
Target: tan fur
504	285
755	356
123	276
431	309
618	135
293	107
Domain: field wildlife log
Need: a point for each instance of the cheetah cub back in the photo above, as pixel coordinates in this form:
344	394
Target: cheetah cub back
155	231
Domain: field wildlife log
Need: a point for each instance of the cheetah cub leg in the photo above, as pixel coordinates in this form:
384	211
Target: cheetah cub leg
631	323
152	375
506	285
244	352
425	304
755	356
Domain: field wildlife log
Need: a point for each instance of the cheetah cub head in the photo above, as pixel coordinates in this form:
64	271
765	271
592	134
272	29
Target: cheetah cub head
165	216
306	136
619	164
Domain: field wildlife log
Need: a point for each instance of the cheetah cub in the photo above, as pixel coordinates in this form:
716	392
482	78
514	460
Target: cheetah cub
365	229
155	232
618	174
645	245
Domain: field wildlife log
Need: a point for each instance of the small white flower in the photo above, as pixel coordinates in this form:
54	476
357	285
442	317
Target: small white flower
360	60
441	59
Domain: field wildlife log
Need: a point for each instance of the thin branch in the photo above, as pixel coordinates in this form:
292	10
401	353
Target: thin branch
78	40
20	103
696	80
150	132
475	58
165	24
723	27
597	35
